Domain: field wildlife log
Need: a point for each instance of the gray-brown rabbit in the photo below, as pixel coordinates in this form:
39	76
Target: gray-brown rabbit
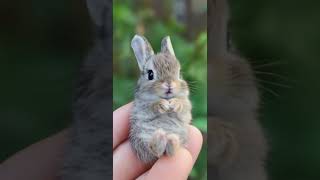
161	110
236	143
88	154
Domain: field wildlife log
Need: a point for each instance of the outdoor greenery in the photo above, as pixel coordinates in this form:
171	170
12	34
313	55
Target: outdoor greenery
192	54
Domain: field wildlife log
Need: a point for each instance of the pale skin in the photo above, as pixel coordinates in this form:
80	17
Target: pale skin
42	160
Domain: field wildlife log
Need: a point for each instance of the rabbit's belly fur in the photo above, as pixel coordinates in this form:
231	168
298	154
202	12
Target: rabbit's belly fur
143	129
168	124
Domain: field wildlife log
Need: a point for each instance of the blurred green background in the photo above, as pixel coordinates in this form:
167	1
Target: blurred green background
155	20
281	39
41	46
43	42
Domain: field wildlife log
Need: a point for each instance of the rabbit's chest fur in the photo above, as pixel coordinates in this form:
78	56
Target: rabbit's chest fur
150	131
144	122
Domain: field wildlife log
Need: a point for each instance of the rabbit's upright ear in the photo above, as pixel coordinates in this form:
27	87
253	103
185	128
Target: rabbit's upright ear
142	50
97	10
166	46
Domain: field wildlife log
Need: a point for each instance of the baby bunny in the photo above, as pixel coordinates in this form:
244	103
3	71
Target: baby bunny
88	154
162	109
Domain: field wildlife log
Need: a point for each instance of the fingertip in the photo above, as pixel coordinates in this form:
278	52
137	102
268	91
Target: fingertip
195	142
196	133
177	167
121	124
123	108
125	160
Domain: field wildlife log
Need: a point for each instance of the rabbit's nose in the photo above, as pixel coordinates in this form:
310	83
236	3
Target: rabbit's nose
165	85
169	85
173	85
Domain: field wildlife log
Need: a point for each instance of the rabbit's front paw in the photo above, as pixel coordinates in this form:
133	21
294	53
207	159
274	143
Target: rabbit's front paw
163	106
176	105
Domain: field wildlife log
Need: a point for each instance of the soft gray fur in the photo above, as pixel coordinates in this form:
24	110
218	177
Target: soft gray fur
158	122
237	147
88	154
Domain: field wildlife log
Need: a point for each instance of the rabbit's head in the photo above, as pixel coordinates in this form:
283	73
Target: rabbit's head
100	12
160	73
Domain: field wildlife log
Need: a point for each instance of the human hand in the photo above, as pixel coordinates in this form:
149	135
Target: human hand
39	161
127	166
43	159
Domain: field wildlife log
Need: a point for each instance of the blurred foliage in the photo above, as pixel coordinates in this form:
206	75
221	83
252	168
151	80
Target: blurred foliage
41	47
281	38
192	54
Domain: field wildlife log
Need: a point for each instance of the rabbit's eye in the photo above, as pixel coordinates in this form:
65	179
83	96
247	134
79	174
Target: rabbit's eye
150	74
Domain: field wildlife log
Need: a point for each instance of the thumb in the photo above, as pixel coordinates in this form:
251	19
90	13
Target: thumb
177	167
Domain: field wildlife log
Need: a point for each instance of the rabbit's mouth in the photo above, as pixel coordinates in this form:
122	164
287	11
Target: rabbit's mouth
168	94
169	91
